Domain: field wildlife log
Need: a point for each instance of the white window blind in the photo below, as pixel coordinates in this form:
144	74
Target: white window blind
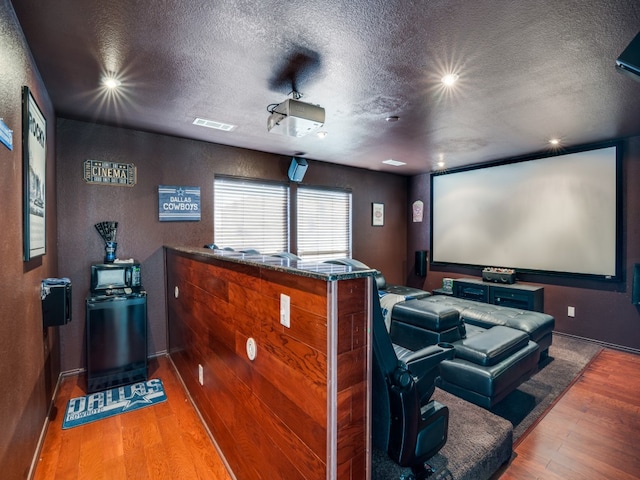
324	223
250	214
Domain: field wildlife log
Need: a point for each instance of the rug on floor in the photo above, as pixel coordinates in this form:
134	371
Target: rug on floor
99	405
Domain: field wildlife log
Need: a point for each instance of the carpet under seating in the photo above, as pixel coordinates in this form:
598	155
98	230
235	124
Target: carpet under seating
479	443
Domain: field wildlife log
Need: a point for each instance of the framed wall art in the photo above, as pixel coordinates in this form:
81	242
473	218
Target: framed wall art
34	156
377	214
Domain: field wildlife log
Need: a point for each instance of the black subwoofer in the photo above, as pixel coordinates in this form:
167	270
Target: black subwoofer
421	263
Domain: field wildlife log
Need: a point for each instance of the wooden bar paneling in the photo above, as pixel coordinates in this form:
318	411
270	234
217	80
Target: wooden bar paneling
352	367
299	410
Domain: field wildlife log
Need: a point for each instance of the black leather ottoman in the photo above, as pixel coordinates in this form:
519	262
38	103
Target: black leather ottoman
538	326
489	365
415	325
408	292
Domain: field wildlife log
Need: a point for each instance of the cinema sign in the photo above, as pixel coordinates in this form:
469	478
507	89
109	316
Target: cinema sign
110	173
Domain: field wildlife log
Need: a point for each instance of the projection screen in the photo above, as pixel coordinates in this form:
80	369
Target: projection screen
558	214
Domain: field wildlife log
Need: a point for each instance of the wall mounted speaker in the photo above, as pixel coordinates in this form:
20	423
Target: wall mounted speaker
297	169
421	263
635	285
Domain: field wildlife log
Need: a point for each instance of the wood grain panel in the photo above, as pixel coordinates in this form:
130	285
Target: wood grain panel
353	364
311	431
290	284
352	297
308	328
270	415
309	393
310	362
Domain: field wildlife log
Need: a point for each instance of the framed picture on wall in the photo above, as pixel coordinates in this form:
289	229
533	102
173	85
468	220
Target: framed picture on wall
377	214
34	156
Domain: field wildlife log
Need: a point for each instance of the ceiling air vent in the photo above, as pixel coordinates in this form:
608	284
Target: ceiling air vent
202	122
393	162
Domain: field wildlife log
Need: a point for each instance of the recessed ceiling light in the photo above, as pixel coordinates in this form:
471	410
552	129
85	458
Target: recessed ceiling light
554	141
322	134
450	78
111	82
441	164
201	122
395	163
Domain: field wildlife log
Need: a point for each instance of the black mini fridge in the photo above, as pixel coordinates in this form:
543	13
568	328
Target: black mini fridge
116	340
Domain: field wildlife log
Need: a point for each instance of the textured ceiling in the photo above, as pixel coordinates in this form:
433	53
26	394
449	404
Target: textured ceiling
529	71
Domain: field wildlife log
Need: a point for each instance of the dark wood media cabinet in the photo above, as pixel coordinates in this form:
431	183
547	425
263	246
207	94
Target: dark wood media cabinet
525	297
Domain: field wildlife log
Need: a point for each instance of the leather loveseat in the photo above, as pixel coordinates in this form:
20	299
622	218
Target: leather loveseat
496	348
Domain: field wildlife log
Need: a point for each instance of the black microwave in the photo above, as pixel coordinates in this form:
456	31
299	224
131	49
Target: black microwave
112	276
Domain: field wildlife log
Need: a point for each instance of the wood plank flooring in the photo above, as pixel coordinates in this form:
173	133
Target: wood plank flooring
163	441
592	432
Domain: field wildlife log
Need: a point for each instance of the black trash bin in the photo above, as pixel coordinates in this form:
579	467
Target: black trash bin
56	301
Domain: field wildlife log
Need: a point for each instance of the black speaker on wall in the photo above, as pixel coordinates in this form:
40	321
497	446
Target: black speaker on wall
297	169
635	285
421	263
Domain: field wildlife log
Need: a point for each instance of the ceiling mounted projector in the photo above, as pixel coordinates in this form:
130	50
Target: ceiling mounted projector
295	118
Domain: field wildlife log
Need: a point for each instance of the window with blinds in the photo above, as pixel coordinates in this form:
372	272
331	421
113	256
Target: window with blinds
251	214
324	223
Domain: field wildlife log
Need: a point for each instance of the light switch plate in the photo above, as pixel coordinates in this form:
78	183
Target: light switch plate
285	310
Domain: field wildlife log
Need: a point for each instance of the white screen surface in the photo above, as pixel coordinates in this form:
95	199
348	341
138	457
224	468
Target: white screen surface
555	214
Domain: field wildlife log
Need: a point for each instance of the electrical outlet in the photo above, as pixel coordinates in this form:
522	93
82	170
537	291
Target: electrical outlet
200	374
285	310
571	312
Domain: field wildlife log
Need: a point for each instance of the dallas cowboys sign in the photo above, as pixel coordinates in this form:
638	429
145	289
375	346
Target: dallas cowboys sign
178	204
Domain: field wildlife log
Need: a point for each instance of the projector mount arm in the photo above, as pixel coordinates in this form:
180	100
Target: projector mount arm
294	94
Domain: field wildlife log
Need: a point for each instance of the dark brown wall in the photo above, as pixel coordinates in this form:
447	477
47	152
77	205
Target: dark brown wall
29	359
163	160
604	311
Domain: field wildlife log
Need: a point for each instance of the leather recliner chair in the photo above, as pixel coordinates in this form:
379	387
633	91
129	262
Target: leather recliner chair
406	423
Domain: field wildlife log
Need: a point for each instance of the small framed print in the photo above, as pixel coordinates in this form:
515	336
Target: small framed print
377	214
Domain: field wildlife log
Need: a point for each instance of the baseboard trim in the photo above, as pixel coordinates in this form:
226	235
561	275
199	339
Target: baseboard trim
612	346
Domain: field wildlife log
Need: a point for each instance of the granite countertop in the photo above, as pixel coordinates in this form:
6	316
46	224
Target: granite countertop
322	271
